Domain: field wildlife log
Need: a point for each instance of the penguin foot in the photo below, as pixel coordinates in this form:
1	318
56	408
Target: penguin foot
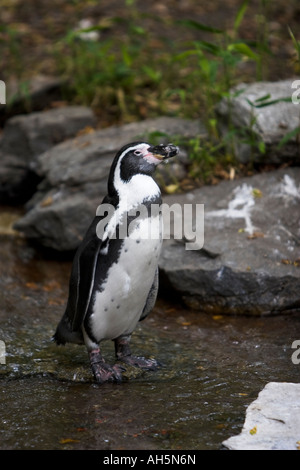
102	371
141	362
123	354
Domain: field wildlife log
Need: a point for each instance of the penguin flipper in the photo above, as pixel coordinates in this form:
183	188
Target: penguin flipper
80	288
151	299
82	277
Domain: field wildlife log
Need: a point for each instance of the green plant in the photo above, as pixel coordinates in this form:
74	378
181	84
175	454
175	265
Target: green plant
296	44
261	102
11	51
106	73
95	75
214	70
11	55
214	66
132	79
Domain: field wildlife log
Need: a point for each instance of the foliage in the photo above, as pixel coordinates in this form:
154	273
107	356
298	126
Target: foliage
130	74
134	78
133	74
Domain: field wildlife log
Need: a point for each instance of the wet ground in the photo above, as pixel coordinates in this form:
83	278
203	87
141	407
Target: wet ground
213	367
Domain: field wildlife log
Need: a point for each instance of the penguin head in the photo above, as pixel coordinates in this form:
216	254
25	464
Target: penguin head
138	158
142	158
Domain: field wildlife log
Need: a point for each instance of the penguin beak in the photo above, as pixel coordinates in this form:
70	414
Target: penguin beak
163	152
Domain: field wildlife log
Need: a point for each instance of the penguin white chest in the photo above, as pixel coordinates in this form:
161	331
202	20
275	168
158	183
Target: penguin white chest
118	305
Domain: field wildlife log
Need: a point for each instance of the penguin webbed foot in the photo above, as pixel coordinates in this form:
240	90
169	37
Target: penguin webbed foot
141	362
123	354
102	371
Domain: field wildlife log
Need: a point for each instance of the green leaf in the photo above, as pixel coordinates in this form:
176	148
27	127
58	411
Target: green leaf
263	98
240	15
200	26
185	54
243	49
267	103
127	59
209	47
153	74
236	93
262	147
288	136
138	30
295	42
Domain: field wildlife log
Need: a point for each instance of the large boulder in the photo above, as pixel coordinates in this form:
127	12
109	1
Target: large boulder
35	94
74	174
27	136
250	260
272	420
264	113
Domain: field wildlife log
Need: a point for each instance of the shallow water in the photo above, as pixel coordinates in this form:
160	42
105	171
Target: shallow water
213	367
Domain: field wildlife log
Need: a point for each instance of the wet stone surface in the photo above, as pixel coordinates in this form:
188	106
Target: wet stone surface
213	368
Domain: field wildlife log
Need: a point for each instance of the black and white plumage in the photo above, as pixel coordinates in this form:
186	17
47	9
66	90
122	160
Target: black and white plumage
114	277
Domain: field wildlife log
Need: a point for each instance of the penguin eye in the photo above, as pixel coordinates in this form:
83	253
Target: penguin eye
138	153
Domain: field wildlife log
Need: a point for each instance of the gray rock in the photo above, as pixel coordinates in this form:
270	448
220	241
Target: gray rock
60	220
272	420
249	263
91	155
269	124
33	95
80	167
27	136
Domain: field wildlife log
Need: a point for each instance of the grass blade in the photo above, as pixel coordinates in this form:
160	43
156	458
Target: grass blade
200	26
268	103
295	42
240	15
289	136
243	49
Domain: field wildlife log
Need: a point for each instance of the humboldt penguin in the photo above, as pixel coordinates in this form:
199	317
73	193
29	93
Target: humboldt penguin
114	277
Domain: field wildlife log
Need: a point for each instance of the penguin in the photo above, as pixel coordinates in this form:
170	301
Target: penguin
114	277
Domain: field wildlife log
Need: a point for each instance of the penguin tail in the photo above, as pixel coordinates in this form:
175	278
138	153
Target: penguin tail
57	338
64	334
